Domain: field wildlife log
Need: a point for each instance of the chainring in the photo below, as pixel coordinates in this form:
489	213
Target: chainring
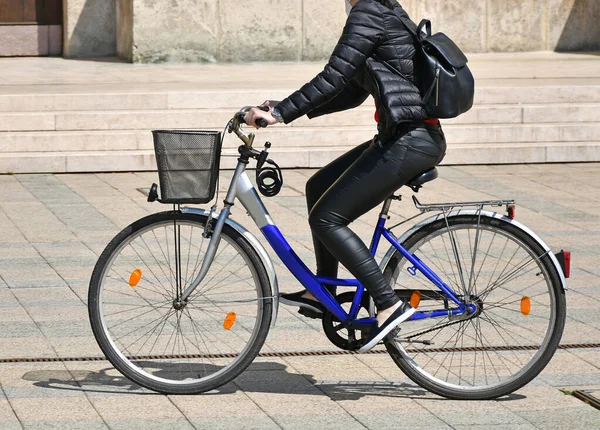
342	337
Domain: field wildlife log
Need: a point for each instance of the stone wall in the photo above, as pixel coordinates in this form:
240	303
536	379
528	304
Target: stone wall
89	28
230	30
293	30
514	25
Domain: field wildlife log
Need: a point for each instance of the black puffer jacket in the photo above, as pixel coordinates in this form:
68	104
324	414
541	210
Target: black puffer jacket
372	37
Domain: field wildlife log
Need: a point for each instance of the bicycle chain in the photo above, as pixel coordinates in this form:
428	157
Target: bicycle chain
435	328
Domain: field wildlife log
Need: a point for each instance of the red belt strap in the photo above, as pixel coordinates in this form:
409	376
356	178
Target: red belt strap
433	121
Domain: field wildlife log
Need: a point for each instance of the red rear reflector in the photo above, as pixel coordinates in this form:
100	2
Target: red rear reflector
511	211
567	264
564	260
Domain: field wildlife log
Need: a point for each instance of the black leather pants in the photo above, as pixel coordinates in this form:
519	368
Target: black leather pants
355	183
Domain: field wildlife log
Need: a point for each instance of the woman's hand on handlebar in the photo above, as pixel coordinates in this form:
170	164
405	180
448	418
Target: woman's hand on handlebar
255	114
270	104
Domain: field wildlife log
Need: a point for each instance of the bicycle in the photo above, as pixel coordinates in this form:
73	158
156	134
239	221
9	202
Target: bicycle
181	301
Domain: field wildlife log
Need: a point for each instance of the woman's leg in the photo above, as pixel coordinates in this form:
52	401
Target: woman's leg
372	178
316	186
327	264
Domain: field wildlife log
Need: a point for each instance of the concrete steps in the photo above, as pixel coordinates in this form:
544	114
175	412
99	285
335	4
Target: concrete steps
110	150
76	99
312	157
195	118
300	137
106	126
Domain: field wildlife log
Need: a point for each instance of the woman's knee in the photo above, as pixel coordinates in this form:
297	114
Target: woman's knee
324	220
314	190
316	220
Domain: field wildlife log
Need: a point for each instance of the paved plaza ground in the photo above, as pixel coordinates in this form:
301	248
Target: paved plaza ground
53	227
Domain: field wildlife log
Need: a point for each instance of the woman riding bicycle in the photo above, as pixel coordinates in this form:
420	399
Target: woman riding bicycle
373	47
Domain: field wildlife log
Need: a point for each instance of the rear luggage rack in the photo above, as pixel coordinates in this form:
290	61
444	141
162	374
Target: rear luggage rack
449	206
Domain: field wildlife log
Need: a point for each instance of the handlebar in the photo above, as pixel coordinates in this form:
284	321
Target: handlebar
269	179
262	123
234	125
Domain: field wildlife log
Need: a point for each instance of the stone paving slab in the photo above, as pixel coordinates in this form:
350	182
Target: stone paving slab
53	227
277	393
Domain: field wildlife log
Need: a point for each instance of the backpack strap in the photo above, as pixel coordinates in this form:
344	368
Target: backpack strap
424	23
417	32
417	35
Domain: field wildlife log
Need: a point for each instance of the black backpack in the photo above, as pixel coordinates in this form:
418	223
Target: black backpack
446	84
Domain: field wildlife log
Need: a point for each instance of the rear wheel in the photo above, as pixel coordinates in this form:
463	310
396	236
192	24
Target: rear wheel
158	341
520	313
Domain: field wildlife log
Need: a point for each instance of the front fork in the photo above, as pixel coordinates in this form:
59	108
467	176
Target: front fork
215	237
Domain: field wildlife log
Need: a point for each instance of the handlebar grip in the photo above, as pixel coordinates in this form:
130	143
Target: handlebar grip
262	123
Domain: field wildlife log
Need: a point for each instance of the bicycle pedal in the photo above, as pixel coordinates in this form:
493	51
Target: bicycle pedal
310	314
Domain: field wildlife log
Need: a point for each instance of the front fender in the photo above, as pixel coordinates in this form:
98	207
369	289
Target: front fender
526	230
260	250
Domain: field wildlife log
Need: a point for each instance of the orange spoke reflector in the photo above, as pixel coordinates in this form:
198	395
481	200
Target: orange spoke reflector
525	305
415	299
135	277
229	320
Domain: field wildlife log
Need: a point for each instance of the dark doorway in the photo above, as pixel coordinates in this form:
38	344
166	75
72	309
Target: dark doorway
30	27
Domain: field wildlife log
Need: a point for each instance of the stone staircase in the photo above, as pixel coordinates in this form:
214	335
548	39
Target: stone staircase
72	129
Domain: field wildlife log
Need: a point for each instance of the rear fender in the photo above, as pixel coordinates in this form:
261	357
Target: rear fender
488	214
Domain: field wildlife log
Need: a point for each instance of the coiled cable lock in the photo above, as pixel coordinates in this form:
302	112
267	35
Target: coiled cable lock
269	179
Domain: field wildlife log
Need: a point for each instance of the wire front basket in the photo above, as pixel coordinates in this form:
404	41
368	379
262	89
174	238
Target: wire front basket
188	165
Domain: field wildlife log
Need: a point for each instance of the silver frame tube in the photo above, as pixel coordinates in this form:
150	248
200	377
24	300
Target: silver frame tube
260	250
247	195
241	188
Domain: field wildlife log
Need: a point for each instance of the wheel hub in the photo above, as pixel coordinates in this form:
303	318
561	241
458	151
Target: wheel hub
179	304
476	303
474	309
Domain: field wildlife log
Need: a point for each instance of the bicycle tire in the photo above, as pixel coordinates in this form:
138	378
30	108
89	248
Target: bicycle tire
412	360
161	375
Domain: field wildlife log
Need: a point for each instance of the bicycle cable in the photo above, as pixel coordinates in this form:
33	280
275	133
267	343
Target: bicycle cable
269	179
218	175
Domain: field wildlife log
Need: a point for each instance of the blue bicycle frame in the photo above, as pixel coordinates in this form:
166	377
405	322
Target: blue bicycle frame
315	284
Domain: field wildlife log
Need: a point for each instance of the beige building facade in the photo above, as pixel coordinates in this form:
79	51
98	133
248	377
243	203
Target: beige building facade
303	30
151	31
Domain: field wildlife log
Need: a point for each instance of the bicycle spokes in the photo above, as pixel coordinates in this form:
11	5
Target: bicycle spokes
497	272
162	335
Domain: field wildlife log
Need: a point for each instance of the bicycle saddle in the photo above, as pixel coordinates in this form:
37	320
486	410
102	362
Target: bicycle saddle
417	182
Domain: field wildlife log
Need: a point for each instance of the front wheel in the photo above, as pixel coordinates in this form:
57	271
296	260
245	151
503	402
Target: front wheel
153	338
520	304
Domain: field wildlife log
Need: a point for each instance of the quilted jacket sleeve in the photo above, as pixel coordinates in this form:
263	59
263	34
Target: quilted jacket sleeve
353	95
363	31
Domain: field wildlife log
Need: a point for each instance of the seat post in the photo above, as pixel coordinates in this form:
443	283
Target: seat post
386	206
